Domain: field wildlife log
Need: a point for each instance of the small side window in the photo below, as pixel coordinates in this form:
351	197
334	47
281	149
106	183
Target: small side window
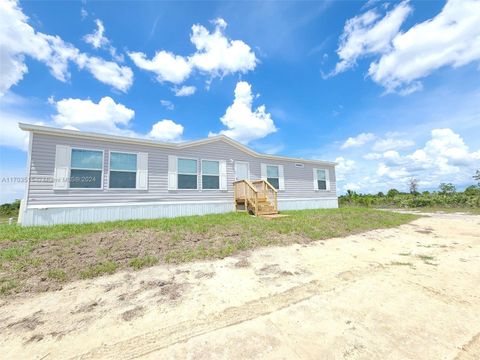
321	179
273	176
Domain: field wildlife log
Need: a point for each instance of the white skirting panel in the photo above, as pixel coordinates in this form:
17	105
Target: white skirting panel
81	214
301	204
90	214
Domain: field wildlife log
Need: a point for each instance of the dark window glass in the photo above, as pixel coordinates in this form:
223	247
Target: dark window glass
273	182
322	185
123	180
187	181
123	162
210	182
89	179
86	159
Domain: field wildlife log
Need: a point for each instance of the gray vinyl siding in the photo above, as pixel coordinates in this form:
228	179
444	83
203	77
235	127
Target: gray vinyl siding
298	181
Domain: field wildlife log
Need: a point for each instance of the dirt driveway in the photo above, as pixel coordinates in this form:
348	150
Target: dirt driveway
411	292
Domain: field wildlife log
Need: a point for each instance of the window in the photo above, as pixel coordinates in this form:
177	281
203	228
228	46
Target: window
187	174
321	179
210	174
86	169
123	171
273	176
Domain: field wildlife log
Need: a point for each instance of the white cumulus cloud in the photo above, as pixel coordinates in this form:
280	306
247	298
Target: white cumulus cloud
359	140
185	91
215	55
344	168
243	122
167	66
166	130
97	38
444	157
19	40
391	143
106	116
451	38
167	104
107	72
369	34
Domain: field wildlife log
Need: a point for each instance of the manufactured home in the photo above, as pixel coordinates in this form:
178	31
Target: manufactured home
81	177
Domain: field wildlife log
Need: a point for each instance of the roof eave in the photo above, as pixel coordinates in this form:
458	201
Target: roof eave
148	142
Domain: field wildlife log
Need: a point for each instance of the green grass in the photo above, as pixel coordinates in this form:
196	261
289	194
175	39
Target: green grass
6	286
57	274
298	222
107	267
143	261
5	218
69	252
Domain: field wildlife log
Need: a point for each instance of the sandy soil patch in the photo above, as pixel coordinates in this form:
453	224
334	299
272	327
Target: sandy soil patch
411	292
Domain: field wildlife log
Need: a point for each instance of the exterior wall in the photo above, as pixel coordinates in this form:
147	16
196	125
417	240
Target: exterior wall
298	181
46	206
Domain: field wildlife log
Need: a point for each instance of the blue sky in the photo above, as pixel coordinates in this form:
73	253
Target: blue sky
389	90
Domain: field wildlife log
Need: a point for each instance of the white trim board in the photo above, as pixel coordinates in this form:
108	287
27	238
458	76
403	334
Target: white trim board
88	205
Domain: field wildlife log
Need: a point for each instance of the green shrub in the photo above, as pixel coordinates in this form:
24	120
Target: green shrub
10	209
448	198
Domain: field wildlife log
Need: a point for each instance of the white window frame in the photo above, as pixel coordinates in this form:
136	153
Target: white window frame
178	172
201	174
102	169
327	179
108	170
278	171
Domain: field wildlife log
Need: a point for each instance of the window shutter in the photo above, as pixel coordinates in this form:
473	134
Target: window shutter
315	179
263	169
172	172
223	175
142	171
327	179
62	167
281	179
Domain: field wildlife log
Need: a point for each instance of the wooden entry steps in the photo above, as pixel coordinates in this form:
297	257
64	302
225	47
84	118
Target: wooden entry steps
257	197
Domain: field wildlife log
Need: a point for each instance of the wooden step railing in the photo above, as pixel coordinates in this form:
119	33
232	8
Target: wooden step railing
257	196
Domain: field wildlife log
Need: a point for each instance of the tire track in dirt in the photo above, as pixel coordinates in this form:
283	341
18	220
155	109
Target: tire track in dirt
471	350
164	337
161	338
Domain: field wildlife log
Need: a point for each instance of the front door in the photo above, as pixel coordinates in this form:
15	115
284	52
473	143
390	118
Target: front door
241	170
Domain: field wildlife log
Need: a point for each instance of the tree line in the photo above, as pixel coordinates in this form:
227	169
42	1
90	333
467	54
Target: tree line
447	196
